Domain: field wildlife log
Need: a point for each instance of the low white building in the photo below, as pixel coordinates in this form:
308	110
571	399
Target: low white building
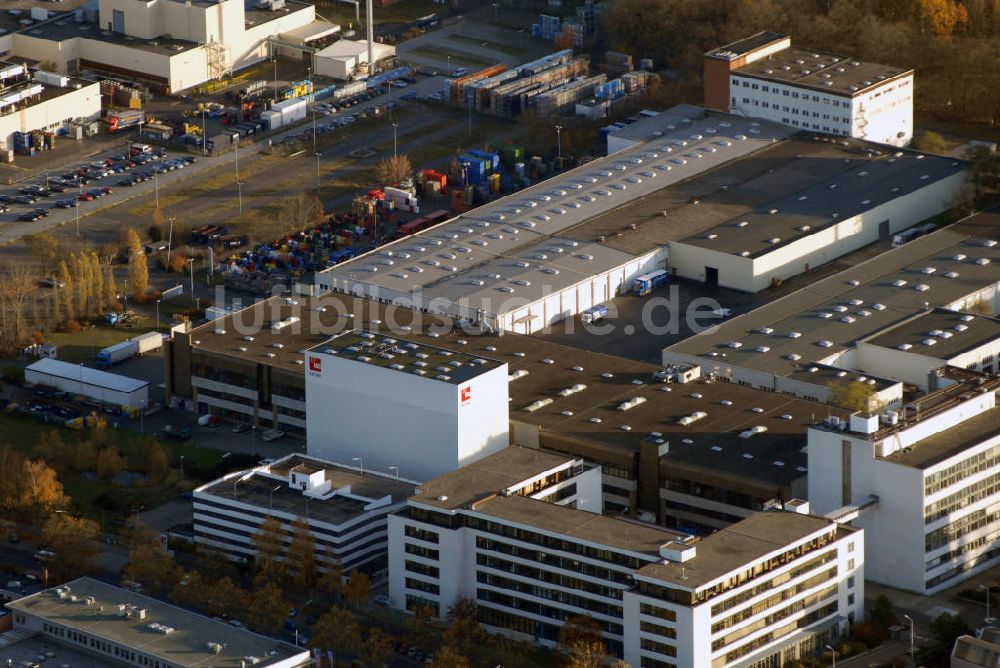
345	507
119	627
346	58
389	402
923	482
765	77
914	349
43	101
109	388
518	533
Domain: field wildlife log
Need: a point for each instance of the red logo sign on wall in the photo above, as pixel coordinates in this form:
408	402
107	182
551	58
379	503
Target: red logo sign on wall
316	364
466	394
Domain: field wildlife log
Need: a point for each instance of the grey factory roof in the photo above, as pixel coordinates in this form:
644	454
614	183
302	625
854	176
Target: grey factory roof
389	352
949	442
517	247
65	28
188	644
748	188
552	368
745	45
940	333
848	188
738	545
487	476
267	487
821	72
478	488
820	321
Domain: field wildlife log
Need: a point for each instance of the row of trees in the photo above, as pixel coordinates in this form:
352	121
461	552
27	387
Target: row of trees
946	41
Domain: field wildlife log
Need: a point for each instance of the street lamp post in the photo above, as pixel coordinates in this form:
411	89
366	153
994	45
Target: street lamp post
394	126
190	262
142	413
158	314
204	134
156	188
559	142
271	494
80	192
910	620
987	589
361	464
396	469
253	438
314	128
833	653
274	60
317	172
182	467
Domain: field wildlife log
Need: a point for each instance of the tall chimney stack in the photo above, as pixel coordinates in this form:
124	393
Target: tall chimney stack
371	35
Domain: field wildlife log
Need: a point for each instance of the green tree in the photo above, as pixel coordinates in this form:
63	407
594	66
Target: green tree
75	541
337	630
358	586
377	648
463	629
853	396
268	609
449	657
932	142
138	273
109	463
302	554
581	643
43	247
881	612
268	542
946	628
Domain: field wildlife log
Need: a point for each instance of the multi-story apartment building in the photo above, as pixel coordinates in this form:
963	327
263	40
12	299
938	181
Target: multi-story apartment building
924	483
345	508
516	533
765	77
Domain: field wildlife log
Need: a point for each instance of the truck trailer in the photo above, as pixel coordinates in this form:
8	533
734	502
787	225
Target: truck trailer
643	285
121	120
127	349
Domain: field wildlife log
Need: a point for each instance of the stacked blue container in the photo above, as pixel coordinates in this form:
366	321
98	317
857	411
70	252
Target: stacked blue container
474	168
492	159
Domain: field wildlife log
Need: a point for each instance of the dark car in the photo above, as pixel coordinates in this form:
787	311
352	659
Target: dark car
66	412
96	192
85	197
29	217
41	212
7	199
25	199
36	405
4	208
107	190
129	181
64	204
56	187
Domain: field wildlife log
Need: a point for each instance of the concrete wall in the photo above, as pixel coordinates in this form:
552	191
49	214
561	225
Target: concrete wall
902	365
690	261
885	114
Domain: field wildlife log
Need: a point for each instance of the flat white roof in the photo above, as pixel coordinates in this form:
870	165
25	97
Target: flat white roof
313	30
86	375
349	48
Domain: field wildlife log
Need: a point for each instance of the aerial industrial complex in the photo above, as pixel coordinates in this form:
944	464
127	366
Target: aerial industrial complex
478	408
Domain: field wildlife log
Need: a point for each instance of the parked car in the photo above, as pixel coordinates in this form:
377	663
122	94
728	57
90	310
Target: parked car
85	197
29	216
64	204
52	282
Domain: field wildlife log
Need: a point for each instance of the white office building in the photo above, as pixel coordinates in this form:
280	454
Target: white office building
923	482
765	77
387	402
345	507
518	532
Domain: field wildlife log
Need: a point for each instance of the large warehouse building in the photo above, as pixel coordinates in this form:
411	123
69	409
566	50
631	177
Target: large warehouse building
765	77
802	343
716	198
